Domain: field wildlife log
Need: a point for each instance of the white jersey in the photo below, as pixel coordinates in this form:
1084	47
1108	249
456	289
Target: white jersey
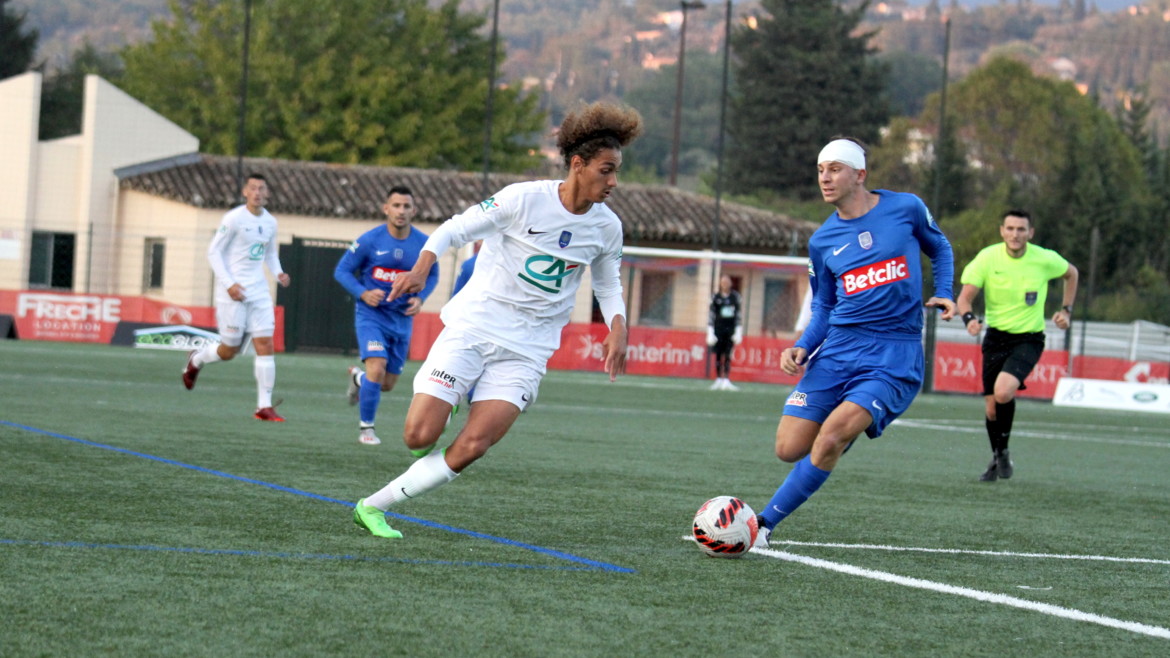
530	266
241	247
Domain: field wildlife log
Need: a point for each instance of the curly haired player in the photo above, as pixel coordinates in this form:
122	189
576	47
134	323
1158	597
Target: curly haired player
501	330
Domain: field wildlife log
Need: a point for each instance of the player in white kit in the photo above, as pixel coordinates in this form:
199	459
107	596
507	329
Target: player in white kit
501	330
244	244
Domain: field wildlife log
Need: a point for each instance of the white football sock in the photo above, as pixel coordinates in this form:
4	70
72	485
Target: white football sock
209	354
426	474
264	368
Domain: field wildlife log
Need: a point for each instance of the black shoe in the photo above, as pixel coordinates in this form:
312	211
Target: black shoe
992	472
1003	465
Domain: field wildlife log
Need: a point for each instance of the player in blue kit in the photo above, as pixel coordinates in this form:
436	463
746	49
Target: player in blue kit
383	327
860	359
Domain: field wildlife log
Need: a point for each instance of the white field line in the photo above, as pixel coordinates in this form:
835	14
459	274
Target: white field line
960	551
978	595
918	424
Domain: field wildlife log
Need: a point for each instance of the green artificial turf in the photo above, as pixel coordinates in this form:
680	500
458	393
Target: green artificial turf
141	519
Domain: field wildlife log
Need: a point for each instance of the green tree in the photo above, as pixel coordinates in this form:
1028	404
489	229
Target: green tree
947	174
17	45
63	93
387	82
1133	117
699	125
803	74
1042	145
912	77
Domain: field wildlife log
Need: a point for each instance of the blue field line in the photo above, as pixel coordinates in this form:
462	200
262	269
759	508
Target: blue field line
603	566
287	556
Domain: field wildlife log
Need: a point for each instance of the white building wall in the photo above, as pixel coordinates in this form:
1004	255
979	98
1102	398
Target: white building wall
20	103
68	185
187	230
58	187
117	131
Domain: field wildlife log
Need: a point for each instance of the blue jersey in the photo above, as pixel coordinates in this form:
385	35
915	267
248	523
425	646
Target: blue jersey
867	273
379	258
465	272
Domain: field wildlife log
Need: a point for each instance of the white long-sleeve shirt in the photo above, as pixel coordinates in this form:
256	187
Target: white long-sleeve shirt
530	266
242	246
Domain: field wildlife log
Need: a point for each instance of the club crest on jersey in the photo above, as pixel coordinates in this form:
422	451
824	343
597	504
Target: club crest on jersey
488	204
565	237
398	254
1031	297
865	240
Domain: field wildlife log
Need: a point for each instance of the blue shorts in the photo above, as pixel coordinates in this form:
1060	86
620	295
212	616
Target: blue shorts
875	371
379	340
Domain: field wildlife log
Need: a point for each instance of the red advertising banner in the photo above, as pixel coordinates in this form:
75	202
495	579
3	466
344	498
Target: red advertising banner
958	369
58	316
80	318
651	351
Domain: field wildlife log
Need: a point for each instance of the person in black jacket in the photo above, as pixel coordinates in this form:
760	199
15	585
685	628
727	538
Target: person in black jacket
724	331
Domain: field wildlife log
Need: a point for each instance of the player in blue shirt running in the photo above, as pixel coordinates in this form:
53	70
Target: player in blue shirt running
860	359
465	271
383	327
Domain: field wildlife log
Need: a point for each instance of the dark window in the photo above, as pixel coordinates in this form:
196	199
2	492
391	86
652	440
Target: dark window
657	294
50	264
781	306
152	271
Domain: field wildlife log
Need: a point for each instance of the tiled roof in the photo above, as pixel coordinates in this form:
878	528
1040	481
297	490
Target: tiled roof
653	215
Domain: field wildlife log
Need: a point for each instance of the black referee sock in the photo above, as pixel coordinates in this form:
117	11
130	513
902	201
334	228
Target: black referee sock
1004	414
993	434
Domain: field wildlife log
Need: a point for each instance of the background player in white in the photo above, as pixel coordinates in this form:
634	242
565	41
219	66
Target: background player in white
244	244
503	327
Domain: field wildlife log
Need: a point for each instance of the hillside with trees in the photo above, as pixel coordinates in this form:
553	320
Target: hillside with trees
1057	108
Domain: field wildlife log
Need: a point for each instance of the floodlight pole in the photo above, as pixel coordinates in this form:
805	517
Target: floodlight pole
491	92
722	130
682	54
716	265
931	313
243	96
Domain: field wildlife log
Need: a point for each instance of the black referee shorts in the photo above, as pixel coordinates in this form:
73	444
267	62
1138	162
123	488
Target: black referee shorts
1015	354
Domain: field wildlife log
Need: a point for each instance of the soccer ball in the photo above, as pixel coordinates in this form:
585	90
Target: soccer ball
725	527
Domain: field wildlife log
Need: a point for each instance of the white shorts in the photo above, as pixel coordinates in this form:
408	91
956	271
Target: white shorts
257	318
459	361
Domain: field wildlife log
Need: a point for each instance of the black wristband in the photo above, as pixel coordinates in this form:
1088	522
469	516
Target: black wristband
968	317
1067	309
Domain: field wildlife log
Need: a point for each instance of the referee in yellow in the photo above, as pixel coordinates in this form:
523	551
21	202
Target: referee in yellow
1013	276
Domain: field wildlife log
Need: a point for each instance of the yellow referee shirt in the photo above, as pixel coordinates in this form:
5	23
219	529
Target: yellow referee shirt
1014	289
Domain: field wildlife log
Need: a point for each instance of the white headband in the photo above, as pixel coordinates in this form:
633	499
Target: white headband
844	151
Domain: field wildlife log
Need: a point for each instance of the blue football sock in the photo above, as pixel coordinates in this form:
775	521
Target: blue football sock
368	398
802	482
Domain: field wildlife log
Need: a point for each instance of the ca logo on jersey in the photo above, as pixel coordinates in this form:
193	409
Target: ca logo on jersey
543	269
488	204
256	252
